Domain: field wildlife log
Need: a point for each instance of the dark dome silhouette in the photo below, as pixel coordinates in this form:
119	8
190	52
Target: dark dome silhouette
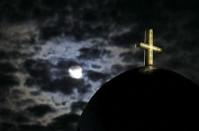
140	99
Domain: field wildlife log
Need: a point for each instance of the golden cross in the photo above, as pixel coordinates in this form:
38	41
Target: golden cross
149	48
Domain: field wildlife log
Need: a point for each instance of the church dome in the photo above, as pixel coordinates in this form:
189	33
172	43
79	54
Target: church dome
143	98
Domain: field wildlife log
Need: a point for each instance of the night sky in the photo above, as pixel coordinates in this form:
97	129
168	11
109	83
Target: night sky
41	40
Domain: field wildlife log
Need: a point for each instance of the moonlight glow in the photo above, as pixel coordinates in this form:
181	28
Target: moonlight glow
75	72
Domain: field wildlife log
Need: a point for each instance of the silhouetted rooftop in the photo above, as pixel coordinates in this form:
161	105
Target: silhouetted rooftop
156	99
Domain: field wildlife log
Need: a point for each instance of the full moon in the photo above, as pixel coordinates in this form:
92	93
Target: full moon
75	72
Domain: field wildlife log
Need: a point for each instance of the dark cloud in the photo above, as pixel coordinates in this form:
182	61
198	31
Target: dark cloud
78	106
95	66
117	68
125	39
8	127
65	64
32	127
84	89
35	93
87	12
51	30
88	19
65	122
24	102
176	62
39	69
130	57
31	82
7	68
93	53
40	110
7	55
17	93
95	76
64	85
13	116
130	66
8	81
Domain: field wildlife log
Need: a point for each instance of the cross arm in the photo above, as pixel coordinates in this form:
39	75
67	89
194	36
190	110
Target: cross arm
145	46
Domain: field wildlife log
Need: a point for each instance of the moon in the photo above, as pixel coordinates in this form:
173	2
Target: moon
75	72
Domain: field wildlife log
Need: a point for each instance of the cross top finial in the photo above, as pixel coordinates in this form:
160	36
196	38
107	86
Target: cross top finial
149	47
